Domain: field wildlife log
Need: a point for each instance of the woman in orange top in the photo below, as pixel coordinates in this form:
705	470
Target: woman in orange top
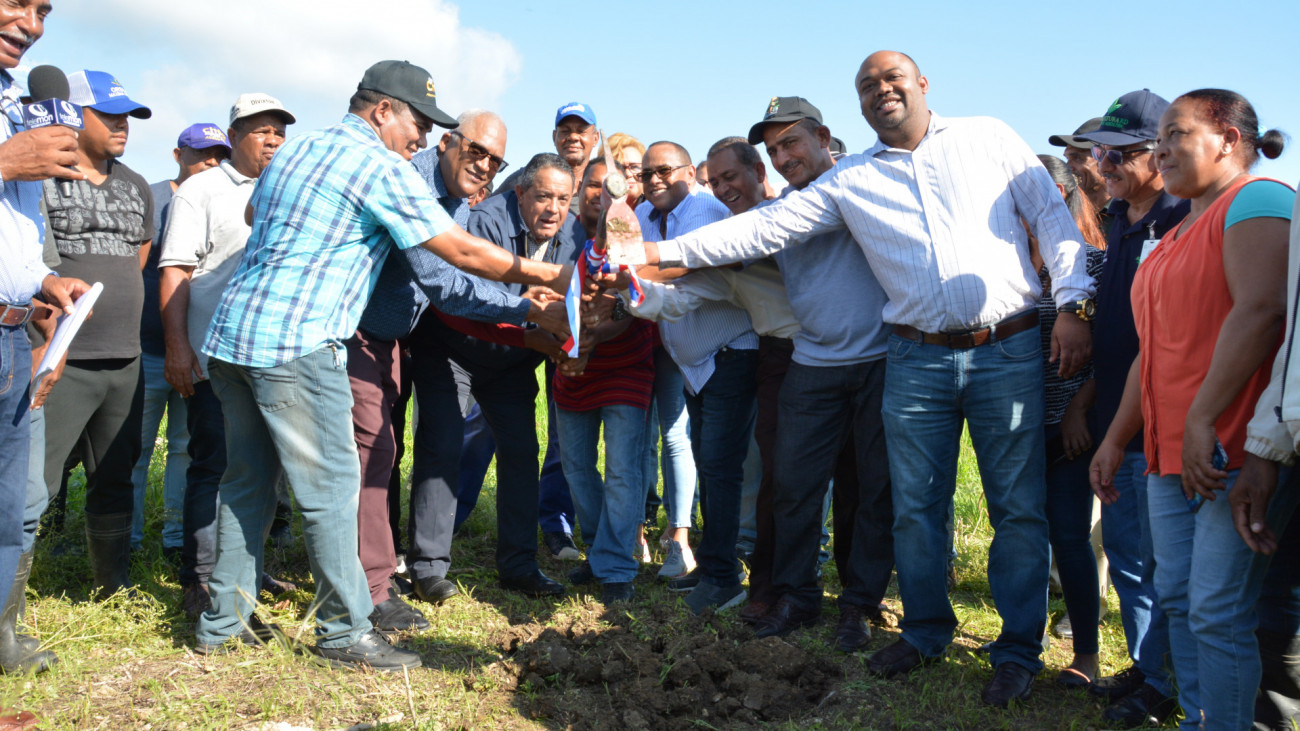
1208	302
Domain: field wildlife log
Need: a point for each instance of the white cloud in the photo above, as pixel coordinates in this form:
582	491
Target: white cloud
310	53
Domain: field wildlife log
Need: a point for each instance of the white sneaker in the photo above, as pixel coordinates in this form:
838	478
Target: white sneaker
680	561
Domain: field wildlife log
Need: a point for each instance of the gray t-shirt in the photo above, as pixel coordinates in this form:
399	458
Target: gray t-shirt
98	230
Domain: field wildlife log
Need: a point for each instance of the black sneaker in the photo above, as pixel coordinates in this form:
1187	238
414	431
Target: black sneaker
581	575
395	615
371	652
561	546
1119	685
1144	707
616	591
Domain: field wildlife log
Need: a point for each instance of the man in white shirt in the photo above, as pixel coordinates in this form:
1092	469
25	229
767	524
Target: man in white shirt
205	237
936	205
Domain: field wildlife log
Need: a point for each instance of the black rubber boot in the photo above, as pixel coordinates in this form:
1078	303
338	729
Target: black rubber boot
20	653
109	541
1278	702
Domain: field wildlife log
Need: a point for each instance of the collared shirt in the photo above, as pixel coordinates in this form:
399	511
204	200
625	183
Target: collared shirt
327	209
837	300
693	340
206	231
1114	337
410	279
940	226
22	227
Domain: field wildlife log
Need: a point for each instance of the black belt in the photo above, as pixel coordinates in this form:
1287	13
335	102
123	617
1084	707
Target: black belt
1000	330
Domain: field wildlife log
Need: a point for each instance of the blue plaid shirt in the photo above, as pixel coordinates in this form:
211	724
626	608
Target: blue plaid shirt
408	281
326	211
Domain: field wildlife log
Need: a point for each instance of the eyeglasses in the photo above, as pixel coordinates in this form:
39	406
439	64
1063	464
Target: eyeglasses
664	171
476	151
1118	157
632	168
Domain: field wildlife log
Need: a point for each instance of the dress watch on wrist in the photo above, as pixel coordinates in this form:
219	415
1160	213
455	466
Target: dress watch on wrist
1085	309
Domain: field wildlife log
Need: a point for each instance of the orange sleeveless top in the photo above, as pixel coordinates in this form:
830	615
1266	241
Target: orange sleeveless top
1180	300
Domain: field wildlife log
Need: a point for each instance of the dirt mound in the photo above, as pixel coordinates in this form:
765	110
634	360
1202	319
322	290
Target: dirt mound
659	672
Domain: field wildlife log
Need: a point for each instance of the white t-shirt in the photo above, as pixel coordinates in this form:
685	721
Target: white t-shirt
206	230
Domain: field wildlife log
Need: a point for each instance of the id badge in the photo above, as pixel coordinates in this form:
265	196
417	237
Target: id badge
1148	246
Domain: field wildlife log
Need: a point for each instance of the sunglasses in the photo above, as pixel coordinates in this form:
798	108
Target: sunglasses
663	172
1118	157
476	151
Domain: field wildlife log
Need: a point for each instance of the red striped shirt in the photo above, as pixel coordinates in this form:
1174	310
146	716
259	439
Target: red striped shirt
620	371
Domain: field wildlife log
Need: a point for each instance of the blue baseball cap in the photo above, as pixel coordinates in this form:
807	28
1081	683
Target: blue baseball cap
101	92
202	136
575	109
1130	119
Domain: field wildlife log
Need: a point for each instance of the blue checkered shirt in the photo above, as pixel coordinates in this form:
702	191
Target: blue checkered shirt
326	212
408	281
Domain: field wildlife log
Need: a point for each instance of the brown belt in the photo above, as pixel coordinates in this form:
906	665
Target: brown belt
15	315
972	338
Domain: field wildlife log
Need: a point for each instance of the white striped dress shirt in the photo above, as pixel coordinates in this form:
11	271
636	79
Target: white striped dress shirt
22	227
940	226
693	340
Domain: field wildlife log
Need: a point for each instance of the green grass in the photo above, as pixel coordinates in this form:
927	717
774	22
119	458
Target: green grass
127	663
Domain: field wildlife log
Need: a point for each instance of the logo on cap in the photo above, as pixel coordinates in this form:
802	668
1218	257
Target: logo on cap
573	109
773	106
115	89
429	85
1114	106
214	134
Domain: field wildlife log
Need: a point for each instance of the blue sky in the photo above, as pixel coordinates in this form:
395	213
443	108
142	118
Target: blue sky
692	72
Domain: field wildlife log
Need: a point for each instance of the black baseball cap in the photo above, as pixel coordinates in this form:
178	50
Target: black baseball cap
1132	118
784	109
409	83
1073	140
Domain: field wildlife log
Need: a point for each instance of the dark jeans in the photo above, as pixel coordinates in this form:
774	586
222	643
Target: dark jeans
15	431
207	448
1069	529
722	421
506	397
97	407
820	409
773	362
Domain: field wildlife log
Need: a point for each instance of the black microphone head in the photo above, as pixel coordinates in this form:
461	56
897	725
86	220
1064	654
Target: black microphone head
47	82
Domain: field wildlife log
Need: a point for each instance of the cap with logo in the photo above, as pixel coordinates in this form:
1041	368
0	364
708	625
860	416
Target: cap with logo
1073	140
202	136
255	103
101	92
575	109
1132	118
409	83
784	109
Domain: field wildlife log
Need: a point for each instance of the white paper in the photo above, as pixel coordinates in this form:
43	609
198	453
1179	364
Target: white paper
65	332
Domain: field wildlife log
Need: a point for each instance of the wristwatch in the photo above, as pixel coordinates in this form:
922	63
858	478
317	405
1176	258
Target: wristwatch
1085	309
620	311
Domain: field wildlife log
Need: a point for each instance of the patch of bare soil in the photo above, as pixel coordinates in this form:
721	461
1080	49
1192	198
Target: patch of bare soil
666	671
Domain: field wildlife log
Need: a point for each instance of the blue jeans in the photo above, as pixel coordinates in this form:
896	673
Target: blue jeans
207	452
722	425
1126	537
998	389
296	416
608	510
676	458
15	435
159	396
1208	581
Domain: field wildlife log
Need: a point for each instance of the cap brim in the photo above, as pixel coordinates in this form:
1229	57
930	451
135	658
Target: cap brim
205	144
1069	141
1117	139
123	105
438	116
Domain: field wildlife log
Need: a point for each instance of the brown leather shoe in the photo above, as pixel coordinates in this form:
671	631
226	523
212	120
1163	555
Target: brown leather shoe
785	618
898	658
753	611
852	633
18	721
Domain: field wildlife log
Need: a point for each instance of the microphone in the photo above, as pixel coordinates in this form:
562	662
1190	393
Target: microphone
48	87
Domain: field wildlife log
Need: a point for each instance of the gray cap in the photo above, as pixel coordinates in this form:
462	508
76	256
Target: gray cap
1092	125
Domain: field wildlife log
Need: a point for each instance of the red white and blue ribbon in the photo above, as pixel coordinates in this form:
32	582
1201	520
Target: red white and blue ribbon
590	263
